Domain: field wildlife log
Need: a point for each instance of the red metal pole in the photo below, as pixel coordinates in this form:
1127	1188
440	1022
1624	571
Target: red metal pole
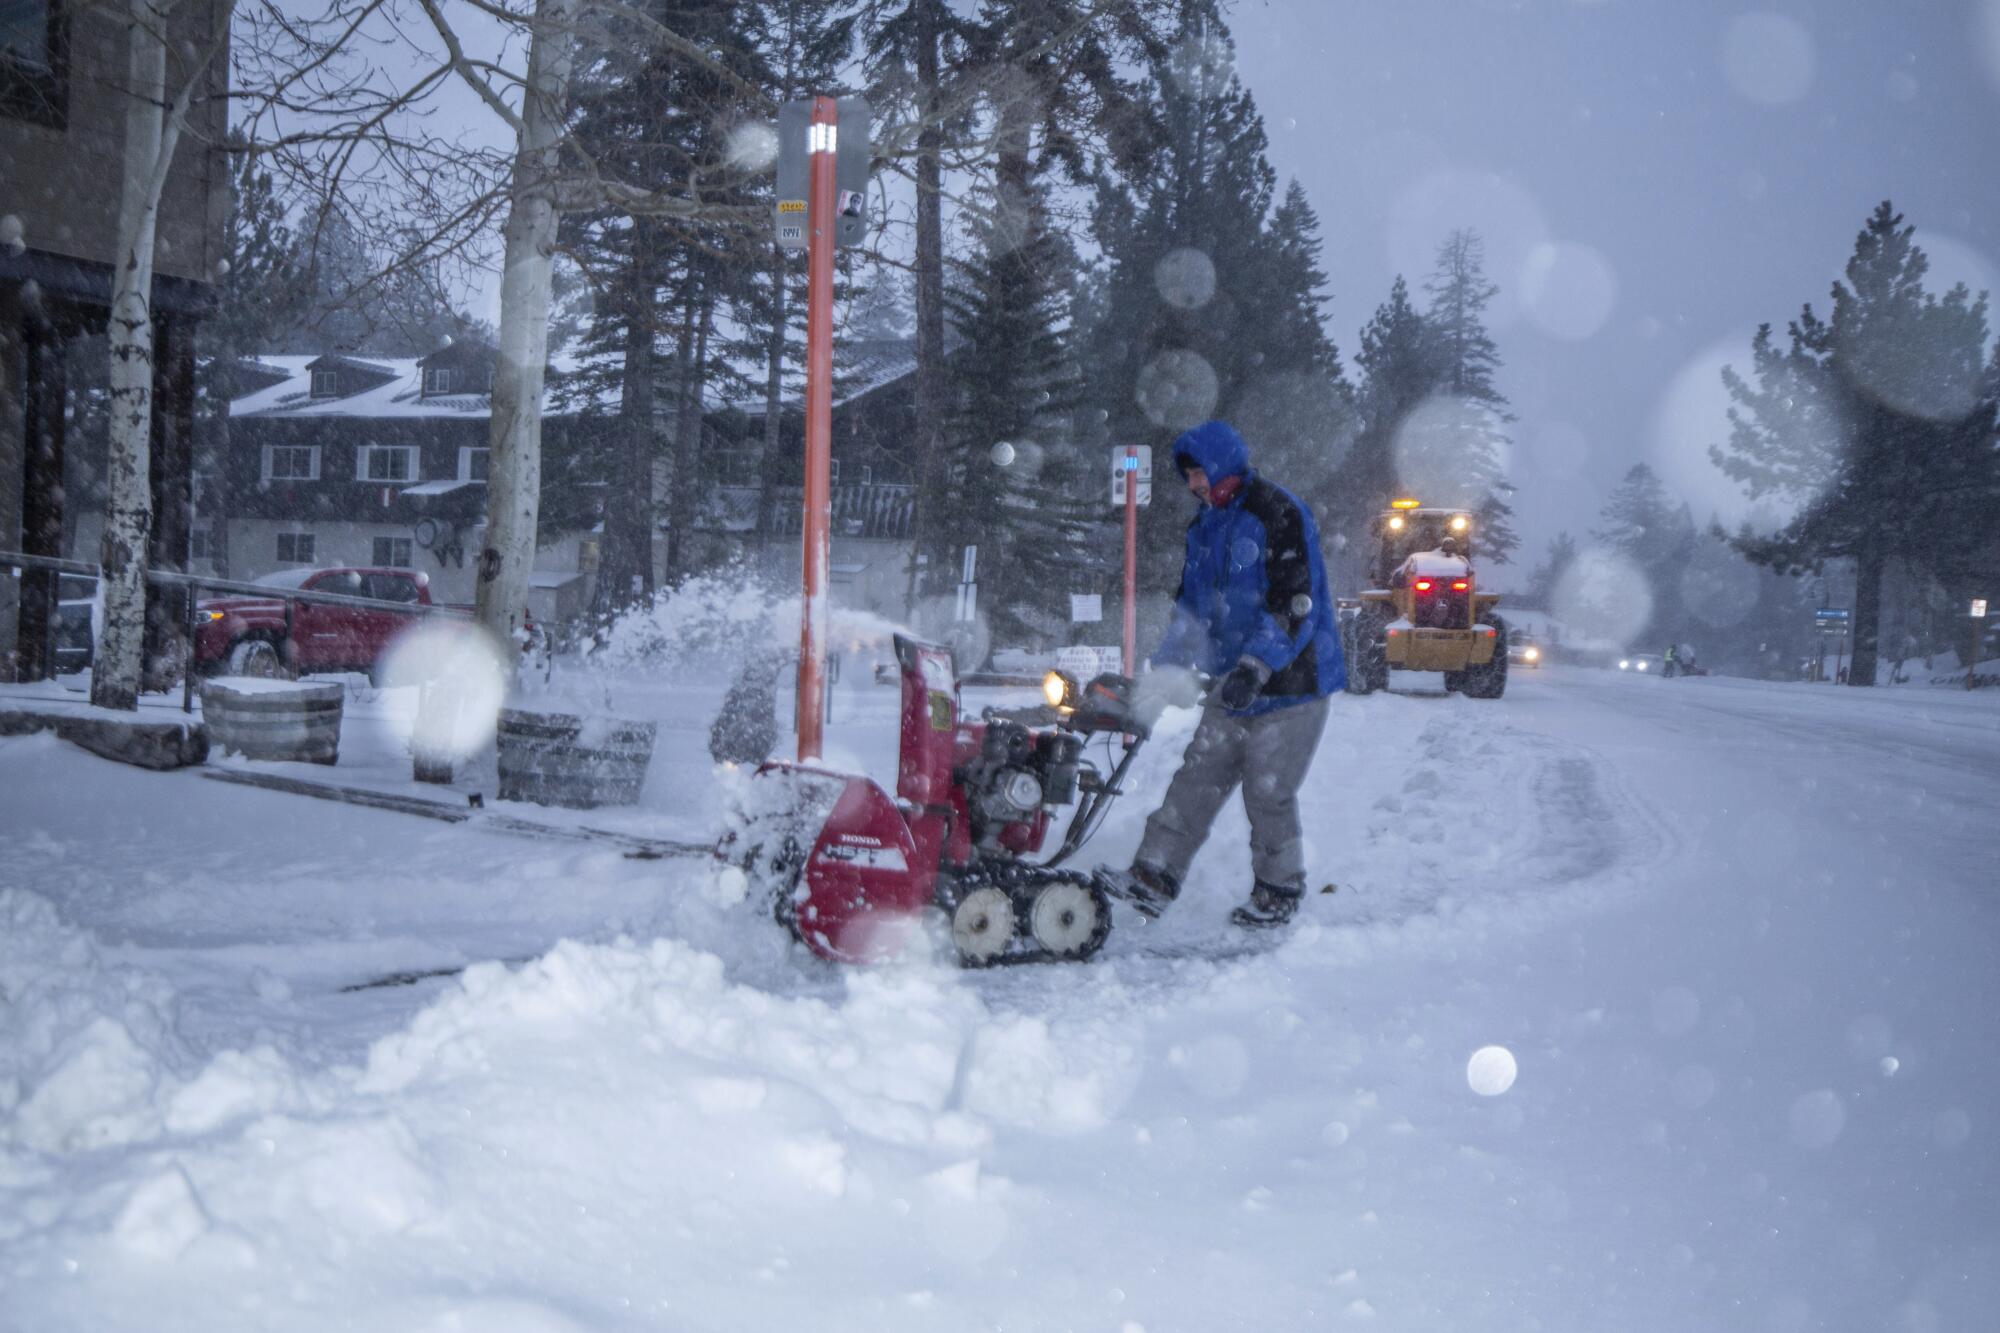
1131	559
819	428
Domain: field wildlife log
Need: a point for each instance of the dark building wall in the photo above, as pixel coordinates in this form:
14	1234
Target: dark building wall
62	172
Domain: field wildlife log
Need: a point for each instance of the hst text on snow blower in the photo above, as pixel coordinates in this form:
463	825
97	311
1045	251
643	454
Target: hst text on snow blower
852	872
1424	610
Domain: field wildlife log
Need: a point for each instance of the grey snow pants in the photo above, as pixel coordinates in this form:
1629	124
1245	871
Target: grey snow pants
1267	755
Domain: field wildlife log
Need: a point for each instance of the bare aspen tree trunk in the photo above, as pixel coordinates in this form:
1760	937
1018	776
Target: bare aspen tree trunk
150	136
514	484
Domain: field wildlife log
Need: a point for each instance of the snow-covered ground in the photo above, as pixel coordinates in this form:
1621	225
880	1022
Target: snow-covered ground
1736	943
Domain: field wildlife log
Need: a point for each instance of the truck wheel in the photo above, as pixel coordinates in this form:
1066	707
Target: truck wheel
1489	681
257	657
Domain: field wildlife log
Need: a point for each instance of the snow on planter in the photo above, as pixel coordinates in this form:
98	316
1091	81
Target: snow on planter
273	719
574	761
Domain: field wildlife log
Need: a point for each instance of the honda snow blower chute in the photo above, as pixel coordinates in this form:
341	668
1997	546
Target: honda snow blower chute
851	872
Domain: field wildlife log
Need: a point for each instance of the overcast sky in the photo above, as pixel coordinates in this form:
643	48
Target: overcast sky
1653	178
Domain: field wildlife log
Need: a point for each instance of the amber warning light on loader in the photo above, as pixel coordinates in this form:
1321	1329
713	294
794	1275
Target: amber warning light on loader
1403	504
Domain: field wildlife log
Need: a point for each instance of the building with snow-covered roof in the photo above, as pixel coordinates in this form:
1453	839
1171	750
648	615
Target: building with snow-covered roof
380	461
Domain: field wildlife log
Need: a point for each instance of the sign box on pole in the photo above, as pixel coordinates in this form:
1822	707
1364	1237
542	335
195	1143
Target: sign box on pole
1086	608
851	148
1124	464
1979	608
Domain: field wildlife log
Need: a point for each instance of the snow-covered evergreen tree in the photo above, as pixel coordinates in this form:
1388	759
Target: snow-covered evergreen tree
1881	421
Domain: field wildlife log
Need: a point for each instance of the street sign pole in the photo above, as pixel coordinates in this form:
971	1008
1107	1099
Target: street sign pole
817	525
1972	644
1131	559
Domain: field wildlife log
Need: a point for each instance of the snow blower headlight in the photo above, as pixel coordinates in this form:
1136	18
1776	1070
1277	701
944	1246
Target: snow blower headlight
1059	690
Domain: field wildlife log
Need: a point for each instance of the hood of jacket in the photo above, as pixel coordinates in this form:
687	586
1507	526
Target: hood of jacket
1215	448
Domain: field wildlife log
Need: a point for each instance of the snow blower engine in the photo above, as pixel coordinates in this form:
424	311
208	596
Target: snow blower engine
852	873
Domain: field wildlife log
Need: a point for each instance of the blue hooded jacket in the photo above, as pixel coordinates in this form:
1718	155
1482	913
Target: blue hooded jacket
1253	583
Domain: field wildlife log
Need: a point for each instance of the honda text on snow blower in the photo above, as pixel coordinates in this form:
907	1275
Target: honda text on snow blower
852	872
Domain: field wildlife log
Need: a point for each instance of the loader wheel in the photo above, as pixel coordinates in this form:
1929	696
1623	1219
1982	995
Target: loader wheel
1489	681
1368	652
982	926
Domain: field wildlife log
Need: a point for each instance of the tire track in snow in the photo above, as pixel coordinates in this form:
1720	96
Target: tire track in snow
1492	815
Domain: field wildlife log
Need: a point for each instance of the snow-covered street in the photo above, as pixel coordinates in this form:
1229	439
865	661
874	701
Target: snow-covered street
1737	940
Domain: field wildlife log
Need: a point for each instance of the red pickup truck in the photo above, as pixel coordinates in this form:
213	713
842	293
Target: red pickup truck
252	636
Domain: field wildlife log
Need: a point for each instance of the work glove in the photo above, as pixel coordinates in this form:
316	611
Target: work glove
1238	689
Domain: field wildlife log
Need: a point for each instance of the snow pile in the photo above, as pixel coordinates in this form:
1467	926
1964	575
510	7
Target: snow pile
87	1050
705	1123
1436	565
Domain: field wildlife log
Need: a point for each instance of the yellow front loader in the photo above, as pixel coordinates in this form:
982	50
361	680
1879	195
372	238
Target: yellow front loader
1424	610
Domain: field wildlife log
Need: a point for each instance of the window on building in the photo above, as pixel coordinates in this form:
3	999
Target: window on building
438	379
326	384
472	464
295	548
34	61
393	552
867	476
291	462
385	462
198	544
833	471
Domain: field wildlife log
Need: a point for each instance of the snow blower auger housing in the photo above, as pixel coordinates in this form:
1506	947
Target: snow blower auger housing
851	871
1424	611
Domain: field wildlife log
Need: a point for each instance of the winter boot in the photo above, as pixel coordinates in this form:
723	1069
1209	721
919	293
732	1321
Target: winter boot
1145	887
1270	906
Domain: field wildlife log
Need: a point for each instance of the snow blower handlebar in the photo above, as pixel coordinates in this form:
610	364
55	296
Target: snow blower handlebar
1112	704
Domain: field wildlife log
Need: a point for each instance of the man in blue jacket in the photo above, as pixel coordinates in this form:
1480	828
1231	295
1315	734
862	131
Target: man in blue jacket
1252	611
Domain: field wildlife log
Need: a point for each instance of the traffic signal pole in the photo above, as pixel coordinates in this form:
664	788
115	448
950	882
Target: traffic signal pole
819	428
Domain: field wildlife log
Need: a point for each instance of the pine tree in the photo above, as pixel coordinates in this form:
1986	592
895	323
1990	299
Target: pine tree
651	119
1642	522
1880	419
1018	487
1398	361
1467	440
1542	583
1208	302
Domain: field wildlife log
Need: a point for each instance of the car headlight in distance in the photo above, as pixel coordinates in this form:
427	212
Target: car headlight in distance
1059	690
1458	523
1534	654
1624	664
1642	666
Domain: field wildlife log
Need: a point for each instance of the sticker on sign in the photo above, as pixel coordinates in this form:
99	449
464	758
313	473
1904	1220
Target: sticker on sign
1132	461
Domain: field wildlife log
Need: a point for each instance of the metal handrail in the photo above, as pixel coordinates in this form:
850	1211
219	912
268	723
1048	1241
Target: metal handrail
169	578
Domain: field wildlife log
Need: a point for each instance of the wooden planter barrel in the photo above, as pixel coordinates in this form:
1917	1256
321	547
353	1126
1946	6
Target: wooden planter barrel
563	759
273	719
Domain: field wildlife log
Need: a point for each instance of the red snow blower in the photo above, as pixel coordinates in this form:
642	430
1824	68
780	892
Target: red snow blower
852	872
